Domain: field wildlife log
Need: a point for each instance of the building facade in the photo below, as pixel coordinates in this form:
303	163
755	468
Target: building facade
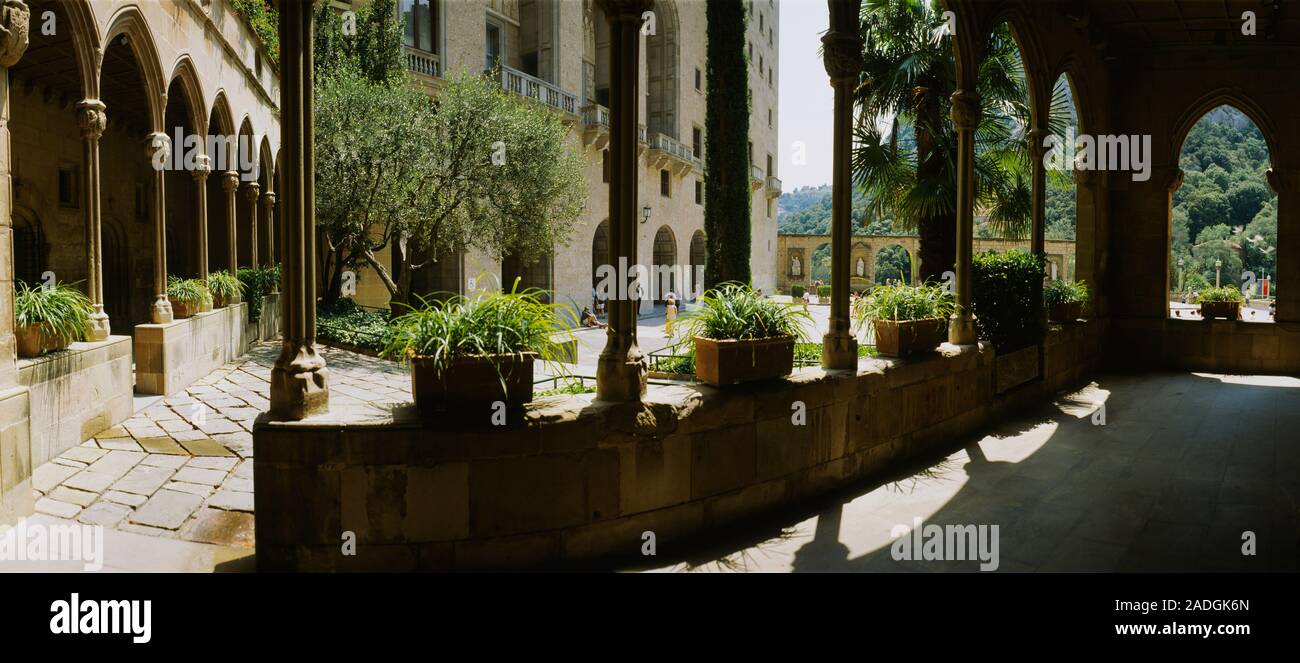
557	52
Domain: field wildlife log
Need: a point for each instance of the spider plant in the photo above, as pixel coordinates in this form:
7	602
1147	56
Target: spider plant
1065	292
61	311
224	286
187	291
732	311
1226	293
901	302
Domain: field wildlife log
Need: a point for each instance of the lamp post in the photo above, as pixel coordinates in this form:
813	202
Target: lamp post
1180	276
1218	266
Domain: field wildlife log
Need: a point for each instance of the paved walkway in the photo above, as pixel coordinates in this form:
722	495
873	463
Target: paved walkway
182	467
1185	466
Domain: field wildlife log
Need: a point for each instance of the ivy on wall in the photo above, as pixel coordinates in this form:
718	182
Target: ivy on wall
265	21
726	146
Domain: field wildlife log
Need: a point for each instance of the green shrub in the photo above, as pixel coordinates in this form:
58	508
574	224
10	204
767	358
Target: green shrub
188	291
225	285
61	311
1225	294
1065	292
796	291
904	302
1005	298
265	21
491	325
258	282
343	321
823	291
734	311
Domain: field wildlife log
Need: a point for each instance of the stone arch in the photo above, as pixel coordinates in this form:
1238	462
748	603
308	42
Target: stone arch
179	116
82	35
265	226
663	61
220	129
861	266
884	272
129	24
30	248
245	220
1069	67
599	252
698	256
664	255
1031	57
1238	100
183	71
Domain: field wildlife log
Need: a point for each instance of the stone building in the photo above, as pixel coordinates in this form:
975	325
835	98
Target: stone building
137	141
557	52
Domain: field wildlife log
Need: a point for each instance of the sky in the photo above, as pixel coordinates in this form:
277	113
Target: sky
806	99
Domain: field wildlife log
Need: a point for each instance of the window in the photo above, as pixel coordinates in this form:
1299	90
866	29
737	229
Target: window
751	51
665	184
698	82
604	165
769	208
420	21
760	23
769	118
699	192
769	162
769	76
697	142
494	52
68	194
760	64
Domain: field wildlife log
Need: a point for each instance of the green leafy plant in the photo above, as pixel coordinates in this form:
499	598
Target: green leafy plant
187	291
61	311
1223	294
796	291
224	285
1065	292
489	325
1006	300
900	302
265	21
343	321
823	291
734	311
258	282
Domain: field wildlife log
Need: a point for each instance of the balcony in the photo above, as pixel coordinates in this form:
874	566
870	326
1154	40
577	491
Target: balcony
513	80
756	177
595	126
423	62
773	186
668	152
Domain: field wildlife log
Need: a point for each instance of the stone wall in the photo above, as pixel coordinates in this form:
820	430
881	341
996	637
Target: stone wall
77	394
578	479
171	356
1221	346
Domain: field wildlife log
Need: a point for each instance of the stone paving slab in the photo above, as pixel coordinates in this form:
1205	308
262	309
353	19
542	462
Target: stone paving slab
182	466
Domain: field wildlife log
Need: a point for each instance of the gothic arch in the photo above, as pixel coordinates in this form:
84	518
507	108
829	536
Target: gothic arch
183	70
129	24
1239	100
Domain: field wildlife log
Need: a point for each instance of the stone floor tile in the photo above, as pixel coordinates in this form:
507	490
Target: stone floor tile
238	483
175	426
46	477
206	447
162	445
106	514
215	425
199	475
231	500
227	528
83	454
81	498
95	482
165	460
121	443
202	490
71	463
124	498
167	509
187	435
57	508
117	462
223	463
143	479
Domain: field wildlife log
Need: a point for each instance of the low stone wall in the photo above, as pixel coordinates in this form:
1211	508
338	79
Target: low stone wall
267	328
1221	346
576	479
76	394
170	356
15	455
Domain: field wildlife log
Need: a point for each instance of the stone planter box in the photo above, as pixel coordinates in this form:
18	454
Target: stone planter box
1229	310
1065	312
730	361
1015	368
901	338
32	341
184	309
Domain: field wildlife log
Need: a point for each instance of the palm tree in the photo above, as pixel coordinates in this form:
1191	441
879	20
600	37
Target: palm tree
905	156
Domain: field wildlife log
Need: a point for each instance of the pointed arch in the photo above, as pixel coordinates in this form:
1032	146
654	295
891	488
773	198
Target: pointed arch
183	71
129	24
1237	99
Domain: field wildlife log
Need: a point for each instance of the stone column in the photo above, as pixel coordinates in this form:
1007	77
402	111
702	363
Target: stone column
1285	182
268	207
203	168
842	55
15	430
621	369
299	379
1038	210
965	117
252	192
158	150
92	120
230	184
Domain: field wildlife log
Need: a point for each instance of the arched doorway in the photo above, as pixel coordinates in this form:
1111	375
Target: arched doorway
600	256
224	153
1061	195
698	256
892	264
534	274
1223	219
244	219
819	267
181	225
663	265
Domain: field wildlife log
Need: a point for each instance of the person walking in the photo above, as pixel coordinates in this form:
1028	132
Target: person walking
670	312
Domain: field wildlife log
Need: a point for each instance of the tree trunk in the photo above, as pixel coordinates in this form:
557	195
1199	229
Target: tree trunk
937	232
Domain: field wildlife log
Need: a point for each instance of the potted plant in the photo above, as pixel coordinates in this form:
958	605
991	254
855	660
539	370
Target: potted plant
1065	300
1222	302
796	291
49	318
225	288
823	294
907	319
481	349
741	336
187	296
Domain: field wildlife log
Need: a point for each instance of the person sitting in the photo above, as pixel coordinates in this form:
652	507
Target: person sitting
589	318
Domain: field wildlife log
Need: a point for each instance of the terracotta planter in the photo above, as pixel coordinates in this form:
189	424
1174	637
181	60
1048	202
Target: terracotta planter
473	380
901	338
1229	310
32	341
727	362
1065	311
222	302
184	309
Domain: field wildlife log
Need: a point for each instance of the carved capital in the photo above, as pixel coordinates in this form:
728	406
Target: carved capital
617	11
230	181
1283	180
91	119
202	167
965	110
252	191
842	56
15	20
158	149
268	199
